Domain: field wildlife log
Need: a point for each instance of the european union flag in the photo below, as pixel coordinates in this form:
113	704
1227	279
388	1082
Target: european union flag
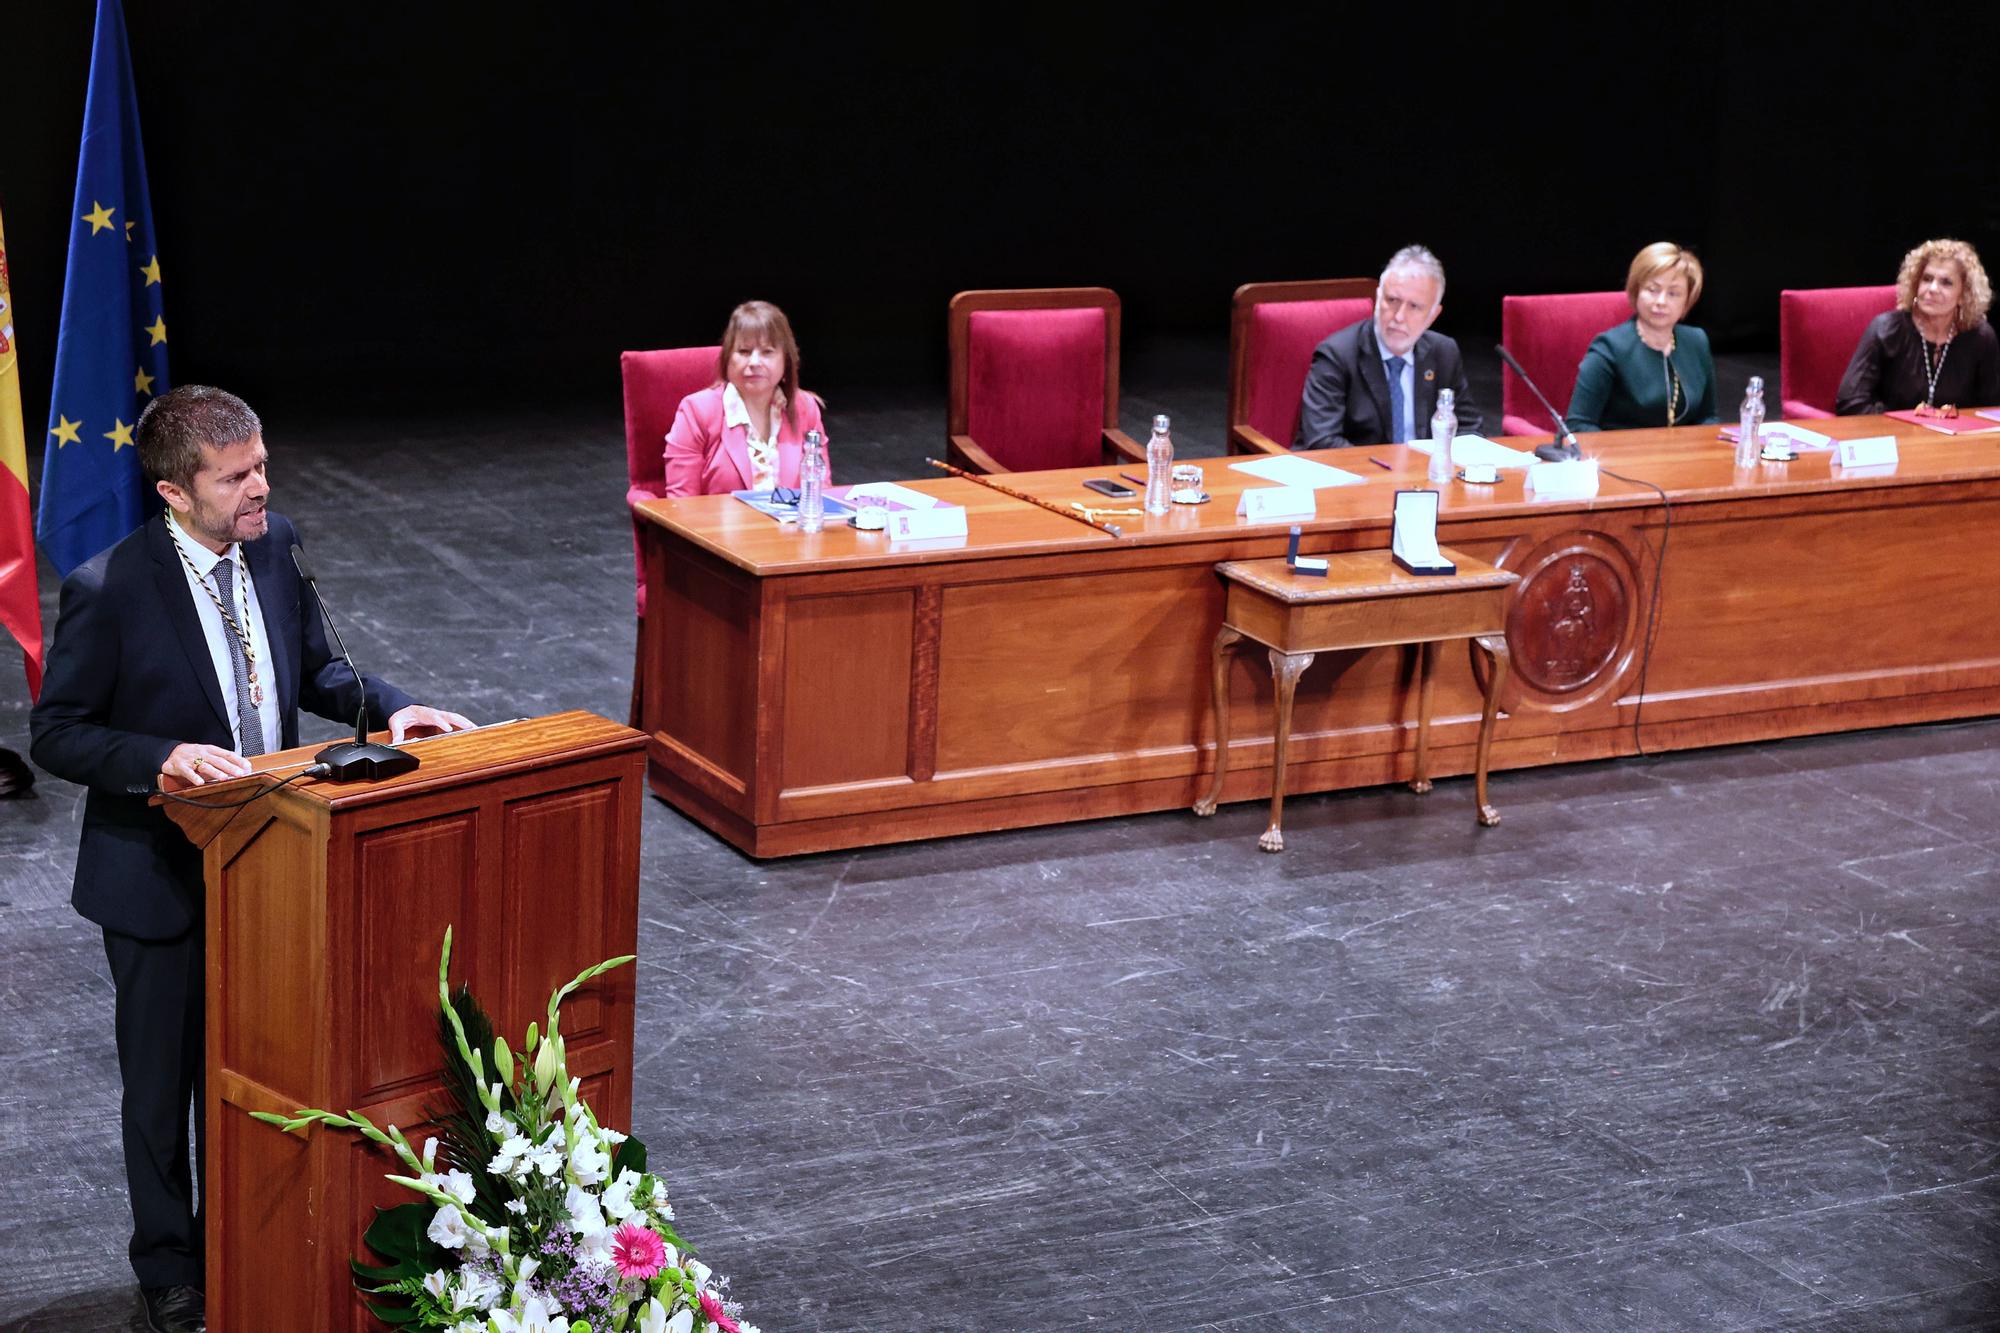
111	355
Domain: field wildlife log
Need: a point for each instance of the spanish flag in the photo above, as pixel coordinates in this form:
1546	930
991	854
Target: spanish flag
20	606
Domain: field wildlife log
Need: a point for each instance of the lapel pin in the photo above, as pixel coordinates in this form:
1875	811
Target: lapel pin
1430	375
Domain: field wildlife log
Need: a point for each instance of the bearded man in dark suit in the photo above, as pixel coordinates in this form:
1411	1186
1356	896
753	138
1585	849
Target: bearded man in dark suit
184	648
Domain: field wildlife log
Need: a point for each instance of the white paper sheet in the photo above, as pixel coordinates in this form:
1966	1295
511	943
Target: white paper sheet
1478	449
1797	436
1287	470
894	494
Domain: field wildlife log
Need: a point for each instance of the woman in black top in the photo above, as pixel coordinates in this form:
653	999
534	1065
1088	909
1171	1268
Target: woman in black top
1935	352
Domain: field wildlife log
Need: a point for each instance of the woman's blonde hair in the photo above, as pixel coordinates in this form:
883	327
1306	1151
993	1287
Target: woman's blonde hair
1662	257
1975	293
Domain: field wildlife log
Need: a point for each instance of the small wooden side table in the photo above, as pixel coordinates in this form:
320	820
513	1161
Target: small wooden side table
1365	601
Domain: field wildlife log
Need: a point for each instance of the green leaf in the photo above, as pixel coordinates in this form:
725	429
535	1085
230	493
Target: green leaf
397	1234
630	1153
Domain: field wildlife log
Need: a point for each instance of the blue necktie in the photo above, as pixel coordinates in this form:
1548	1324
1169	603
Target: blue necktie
1399	412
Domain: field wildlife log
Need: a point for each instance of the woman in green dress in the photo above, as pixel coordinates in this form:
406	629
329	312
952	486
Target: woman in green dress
1651	370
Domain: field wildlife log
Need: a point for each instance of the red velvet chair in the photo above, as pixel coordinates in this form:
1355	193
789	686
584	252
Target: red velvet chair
655	383
1034	380
1548	335
1273	328
1818	331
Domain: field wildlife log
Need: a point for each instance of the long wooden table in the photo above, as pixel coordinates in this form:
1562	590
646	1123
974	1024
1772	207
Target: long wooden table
836	690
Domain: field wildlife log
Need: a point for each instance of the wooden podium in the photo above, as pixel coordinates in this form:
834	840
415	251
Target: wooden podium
326	908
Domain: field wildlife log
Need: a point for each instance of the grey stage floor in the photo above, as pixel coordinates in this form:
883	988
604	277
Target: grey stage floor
1705	1041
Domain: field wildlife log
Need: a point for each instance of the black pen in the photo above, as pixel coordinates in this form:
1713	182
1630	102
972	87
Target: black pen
1136	481
1379	463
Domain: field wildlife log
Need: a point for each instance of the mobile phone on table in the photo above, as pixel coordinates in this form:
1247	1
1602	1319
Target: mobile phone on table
1106	486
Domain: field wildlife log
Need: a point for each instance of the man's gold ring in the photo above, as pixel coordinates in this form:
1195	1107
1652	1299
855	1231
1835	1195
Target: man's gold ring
199	761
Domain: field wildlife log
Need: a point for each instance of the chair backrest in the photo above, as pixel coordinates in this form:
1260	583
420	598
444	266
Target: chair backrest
1818	330
1034	374
1273	328
1548	335
655	383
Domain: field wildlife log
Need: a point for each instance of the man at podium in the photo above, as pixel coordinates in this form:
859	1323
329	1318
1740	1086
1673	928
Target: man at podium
181	650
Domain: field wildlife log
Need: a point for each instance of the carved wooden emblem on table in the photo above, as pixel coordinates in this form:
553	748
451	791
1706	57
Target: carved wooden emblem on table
1571	623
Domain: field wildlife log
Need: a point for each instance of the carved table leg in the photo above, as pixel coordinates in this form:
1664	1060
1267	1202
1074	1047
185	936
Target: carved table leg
1420	777
1225	639
1286	668
1497	663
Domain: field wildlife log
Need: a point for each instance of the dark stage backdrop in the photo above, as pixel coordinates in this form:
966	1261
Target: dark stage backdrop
413	208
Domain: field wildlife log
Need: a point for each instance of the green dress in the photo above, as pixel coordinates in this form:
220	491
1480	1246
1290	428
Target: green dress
1622	384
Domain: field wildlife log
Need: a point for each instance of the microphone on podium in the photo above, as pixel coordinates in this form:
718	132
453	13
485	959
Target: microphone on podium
360	759
1562	448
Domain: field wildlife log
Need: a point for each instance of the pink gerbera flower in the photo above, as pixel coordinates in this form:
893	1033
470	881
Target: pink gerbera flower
638	1251
711	1306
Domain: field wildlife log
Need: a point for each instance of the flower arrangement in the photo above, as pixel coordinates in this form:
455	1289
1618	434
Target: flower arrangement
535	1219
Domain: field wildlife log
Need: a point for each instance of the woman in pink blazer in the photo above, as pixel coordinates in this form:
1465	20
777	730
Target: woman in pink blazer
745	432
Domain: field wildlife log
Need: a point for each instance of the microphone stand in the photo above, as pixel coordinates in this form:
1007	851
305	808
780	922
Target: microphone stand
1563	448
360	759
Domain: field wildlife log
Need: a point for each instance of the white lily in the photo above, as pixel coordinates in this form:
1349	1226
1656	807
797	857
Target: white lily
458	1184
617	1200
536	1316
587	1162
477	1290
448	1229
584	1214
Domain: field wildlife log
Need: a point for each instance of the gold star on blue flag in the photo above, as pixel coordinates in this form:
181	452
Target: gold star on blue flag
111	356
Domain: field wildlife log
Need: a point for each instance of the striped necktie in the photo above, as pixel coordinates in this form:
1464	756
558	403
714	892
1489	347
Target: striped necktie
249	726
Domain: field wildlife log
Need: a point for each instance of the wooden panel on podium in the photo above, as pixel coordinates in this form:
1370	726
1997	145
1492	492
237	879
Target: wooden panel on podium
326	908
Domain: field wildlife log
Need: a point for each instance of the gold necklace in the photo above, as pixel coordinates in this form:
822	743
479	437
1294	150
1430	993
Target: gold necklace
1674	394
242	639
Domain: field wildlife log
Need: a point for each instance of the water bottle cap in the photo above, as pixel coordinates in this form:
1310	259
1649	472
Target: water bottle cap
812	437
1446	398
1160	422
1756	384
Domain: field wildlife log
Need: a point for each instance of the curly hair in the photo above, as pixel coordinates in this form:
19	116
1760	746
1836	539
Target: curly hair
1975	293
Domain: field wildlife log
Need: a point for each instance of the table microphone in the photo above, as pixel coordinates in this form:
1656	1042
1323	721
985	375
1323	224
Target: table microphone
360	759
1559	450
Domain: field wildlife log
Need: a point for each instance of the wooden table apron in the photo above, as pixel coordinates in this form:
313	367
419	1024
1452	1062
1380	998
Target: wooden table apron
807	698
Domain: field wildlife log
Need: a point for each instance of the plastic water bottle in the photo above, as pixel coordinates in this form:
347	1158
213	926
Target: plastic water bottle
1160	468
1444	425
812	478
1750	424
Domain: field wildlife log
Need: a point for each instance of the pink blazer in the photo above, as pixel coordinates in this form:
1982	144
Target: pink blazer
705	458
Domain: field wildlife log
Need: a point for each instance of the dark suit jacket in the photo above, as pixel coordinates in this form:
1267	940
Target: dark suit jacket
129	678
1346	397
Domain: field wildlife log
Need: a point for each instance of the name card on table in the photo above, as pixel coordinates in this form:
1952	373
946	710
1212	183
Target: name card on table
1875	451
910	525
1573	480
1273	502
